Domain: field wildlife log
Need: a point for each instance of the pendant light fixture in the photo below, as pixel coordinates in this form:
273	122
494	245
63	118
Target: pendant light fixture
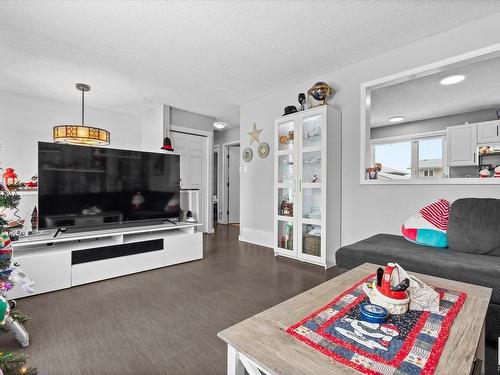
81	134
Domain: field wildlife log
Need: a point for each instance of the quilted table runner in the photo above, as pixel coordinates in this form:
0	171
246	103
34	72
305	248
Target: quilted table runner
406	344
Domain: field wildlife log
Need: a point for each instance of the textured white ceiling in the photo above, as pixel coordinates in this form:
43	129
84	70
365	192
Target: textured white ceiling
425	97
207	57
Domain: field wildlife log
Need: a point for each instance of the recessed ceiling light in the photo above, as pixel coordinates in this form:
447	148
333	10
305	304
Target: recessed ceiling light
451	80
219	125
396	119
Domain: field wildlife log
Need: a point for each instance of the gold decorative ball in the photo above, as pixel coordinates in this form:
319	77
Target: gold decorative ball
321	91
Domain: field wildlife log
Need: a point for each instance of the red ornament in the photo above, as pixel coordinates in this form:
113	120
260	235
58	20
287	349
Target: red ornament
9	177
167	145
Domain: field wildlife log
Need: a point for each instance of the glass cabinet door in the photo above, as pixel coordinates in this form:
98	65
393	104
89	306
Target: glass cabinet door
286	198
286	136
311	168
311	204
286	169
286	183
311	244
312	173
285	238
285	233
312	130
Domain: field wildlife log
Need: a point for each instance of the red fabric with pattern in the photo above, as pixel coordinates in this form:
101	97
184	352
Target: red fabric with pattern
437	213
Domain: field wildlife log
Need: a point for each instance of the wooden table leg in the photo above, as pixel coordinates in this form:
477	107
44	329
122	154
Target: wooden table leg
480	352
234	365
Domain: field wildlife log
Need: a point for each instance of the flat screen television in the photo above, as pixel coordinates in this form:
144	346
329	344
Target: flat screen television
83	186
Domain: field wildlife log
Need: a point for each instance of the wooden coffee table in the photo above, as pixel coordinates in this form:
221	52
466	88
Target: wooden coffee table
261	343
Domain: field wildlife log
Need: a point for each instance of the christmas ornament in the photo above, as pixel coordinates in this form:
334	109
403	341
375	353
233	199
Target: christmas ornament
5	241
167	145
9	177
4	310
32	184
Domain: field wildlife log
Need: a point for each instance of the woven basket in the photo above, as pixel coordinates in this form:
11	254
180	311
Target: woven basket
311	245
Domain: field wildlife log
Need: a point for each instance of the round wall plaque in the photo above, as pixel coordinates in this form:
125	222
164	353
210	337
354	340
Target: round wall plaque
263	150
247	154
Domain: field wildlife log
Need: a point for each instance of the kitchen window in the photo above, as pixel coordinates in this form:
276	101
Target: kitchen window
412	156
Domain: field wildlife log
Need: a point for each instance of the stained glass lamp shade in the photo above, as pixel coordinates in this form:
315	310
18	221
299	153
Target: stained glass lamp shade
81	134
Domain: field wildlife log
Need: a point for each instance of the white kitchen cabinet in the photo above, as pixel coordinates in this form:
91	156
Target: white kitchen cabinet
308	185
462	145
488	132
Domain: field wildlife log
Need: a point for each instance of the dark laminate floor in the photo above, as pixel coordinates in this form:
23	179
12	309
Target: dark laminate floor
163	321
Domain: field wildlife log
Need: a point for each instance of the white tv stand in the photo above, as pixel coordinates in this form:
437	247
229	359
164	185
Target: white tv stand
73	259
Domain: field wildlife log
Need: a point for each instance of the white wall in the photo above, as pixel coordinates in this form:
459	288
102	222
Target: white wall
179	117
25	120
367	210
152	125
226	136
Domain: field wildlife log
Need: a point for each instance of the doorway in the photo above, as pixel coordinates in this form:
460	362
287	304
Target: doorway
215	187
231	181
195	171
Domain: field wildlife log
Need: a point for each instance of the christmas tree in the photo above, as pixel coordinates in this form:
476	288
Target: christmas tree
11	319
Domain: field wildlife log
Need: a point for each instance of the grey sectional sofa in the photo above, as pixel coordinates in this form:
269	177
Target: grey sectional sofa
473	255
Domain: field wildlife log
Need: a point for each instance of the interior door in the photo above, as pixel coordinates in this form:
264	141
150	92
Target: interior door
193	163
179	143
234	184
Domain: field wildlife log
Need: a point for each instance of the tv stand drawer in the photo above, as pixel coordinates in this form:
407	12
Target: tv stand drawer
88	272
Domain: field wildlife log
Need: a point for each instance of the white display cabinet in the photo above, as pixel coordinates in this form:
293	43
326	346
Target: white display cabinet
308	185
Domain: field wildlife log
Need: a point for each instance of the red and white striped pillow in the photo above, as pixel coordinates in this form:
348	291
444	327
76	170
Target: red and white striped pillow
437	213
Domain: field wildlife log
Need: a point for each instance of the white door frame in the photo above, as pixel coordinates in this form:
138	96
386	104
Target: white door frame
208	224
219	182
224	191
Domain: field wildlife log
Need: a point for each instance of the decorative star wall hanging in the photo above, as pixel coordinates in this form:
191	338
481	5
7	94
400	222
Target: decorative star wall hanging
254	134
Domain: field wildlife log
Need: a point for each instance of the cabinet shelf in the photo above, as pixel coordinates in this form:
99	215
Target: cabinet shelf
285	185
284	249
306	220
312	185
311	148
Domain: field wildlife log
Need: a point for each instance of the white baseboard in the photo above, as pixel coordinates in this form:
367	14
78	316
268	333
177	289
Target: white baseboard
257	237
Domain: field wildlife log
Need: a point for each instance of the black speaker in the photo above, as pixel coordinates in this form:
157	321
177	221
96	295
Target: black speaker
115	251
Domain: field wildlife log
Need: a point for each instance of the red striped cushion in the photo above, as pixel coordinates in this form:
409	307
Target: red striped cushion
437	213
